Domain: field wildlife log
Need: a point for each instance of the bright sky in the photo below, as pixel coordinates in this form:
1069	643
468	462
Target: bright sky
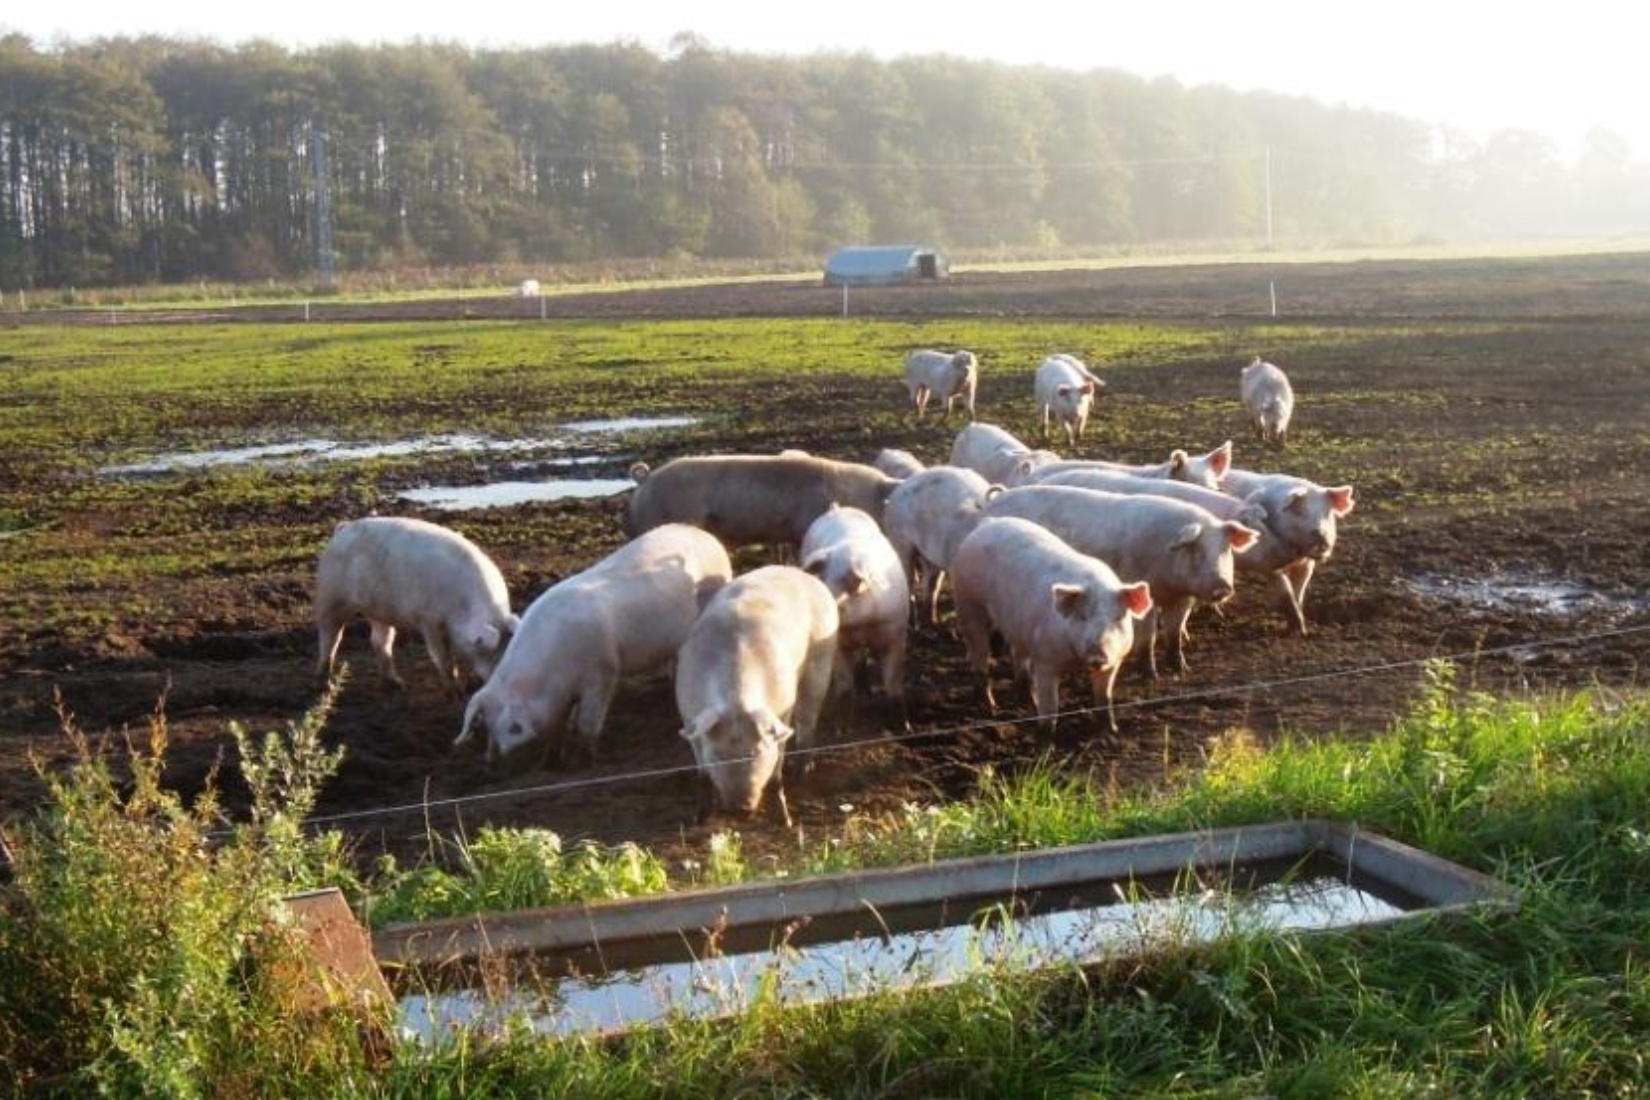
1559	69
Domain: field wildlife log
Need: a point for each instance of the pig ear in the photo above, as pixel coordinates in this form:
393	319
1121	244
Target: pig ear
1136	598
702	724
993	491
1070	600
1253	514
1297	497
770	728
639	472
1088	388
1187	536
1239	536
1178	460
1022	468
1340	499
1220	460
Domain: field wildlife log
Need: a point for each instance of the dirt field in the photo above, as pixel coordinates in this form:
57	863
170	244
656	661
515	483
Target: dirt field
1502	446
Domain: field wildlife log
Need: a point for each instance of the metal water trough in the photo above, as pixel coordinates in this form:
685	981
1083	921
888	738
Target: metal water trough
636	932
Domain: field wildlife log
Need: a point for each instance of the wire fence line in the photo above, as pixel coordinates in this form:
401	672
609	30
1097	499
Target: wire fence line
1224	691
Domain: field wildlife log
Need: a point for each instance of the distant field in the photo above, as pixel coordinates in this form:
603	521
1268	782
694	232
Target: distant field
1489	414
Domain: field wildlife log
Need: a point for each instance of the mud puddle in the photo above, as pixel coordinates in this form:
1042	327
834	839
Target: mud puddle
1528	594
302	452
502	494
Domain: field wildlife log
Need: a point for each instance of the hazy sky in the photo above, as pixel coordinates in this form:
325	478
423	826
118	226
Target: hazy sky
1558	69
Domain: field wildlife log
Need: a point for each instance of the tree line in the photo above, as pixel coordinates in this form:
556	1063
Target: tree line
154	159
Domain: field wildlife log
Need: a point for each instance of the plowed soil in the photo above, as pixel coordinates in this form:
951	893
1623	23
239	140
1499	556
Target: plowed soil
1503	519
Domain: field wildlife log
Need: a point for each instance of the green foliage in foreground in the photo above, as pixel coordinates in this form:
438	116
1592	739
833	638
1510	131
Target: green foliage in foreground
1550	1000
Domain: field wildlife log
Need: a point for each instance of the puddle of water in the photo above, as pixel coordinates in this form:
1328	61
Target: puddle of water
629	424
500	494
1524	593
302	451
305	451
1084	930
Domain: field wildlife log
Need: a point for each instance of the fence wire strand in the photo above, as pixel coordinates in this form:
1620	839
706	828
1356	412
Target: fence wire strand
886	740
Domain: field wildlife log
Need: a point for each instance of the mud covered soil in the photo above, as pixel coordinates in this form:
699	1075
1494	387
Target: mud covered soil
1503	519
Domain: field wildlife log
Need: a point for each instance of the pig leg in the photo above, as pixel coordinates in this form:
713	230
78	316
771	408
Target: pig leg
776	798
1101	683
919	400
935	582
893	667
812	688
1294	578
383	644
1175	621
1145	639
595	697
1045	694
330	625
1300	575
976	631
441	655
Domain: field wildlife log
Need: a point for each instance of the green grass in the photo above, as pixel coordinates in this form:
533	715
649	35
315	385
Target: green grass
125	938
1550	1000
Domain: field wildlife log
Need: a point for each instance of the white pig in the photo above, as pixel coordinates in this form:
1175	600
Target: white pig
848	551
949	376
1299	531
1060	611
1182	551
407	574
627	614
1269	400
1205	470
1066	389
996	455
1109	480
755	669
926	519
897	464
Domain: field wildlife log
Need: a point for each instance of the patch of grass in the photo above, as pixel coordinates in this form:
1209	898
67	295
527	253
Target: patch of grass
142	956
1546	793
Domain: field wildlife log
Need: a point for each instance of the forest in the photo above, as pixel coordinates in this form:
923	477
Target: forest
161	160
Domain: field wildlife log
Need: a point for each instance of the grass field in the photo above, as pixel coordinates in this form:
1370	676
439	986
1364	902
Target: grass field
1489	415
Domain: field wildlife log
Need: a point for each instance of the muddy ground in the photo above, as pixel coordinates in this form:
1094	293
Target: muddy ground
1503	508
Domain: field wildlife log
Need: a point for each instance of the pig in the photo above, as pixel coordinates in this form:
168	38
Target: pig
898	464
996	455
1218	504
1268	399
926	519
1182	551
627	614
1065	388
527	288
755	670
744	499
1059	610
848	551
1205	470
950	376
1299	531
408	574
1110	480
